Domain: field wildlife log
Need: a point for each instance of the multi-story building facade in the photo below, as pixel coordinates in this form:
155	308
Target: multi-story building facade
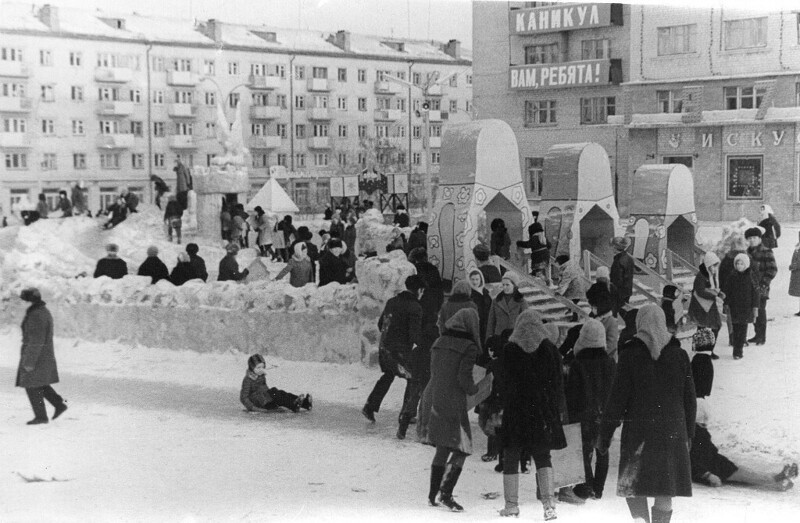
714	89
112	100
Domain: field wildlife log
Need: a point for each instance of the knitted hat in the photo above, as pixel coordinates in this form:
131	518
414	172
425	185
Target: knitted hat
710	259
745	258
536	227
513	277
192	248
31	294
481	252
232	248
254	360
753	231
602	272
620	243
112	247
593	334
152	250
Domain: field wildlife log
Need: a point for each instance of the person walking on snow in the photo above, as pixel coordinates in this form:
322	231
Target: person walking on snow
762	263
622	271
37	370
172	218
772	229
794	278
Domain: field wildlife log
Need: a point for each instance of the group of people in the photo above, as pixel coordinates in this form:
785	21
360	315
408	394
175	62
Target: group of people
73	204
189	266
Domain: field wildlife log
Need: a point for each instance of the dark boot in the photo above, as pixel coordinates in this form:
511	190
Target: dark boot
402	426
368	412
638	508
60	409
661	516
437	473
36	398
449	483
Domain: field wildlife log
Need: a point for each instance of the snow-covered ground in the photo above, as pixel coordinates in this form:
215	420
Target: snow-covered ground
155	434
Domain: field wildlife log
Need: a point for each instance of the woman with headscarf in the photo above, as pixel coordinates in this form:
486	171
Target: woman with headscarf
742	297
459	299
506	306
653	397
533	404
299	266
772	229
703	309
443	420
481	297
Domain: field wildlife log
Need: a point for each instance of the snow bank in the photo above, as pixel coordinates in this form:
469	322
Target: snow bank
372	235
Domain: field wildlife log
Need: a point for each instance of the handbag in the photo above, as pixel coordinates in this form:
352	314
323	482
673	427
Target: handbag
703	339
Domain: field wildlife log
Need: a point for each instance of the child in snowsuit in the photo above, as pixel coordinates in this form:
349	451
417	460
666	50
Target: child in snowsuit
256	396
742	298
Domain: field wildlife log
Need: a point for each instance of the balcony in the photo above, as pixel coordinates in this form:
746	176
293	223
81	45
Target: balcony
182	141
113	74
263	82
435	142
15	140
177	110
434	116
386	87
434	90
14	104
319	142
115	141
318	113
14	68
388	115
264	142
265	112
115	108
183	78
318	84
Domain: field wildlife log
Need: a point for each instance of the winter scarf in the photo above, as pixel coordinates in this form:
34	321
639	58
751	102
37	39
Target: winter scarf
651	328
479	288
466	320
529	331
300	252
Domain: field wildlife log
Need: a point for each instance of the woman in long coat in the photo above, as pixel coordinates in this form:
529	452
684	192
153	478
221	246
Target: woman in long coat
506	306
533	403
481	298
794	279
653	397
442	419
703	308
37	364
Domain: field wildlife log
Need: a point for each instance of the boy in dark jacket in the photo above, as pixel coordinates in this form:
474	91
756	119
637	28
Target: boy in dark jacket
111	266
588	386
763	265
153	266
256	396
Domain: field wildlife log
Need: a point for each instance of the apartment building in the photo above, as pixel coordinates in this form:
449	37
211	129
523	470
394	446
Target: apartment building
113	99
715	89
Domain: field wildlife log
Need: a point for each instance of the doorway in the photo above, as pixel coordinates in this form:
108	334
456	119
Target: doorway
680	238
501	207
597	230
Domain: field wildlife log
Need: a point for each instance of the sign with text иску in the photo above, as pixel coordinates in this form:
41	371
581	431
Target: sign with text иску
569	74
564	17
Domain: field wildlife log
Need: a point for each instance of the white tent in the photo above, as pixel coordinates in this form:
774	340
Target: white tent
273	198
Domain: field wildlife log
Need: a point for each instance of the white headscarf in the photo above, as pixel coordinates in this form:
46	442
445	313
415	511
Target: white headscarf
651	328
477	288
300	252
529	331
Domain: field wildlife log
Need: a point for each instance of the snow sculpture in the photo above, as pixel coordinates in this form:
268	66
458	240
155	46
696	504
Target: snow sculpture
372	235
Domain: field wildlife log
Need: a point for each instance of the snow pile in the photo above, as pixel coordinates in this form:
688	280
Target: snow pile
372	235
731	234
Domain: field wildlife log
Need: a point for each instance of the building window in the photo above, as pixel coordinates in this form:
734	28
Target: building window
15	125
16	161
321	159
182	64
299	101
48	127
184	129
597	110
299	161
156	63
469	79
211	98
108	94
797	91
454	81
677	39
283	159
362	131
258	129
542	54
743	97
211	130
539	112
342	74
184	97
280	101
416	132
435	157
534	168
109	161
260	99
362	159
233	68
77	127
136	96
158	160
362	76
599	49
319	72
10	54
258	70
299	130
468	106
382	131
45	57
137	160
159	129
453	106
321	130
48	93
400	75
435	130
341	103
342	131
49	162
746	33
233	100
400	104
280	130
12	90
209	68
158	97
75	58
209	159
416	78
341	158
688	161
362	104
745	180
299	72
401	157
79	161
260	161
416	158
384	103
320	102
669	102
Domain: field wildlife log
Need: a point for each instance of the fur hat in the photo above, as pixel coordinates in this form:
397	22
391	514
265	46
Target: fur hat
31	294
670	292
753	231
534	228
593	334
112	247
620	243
334	243
602	272
152	250
744	257
254	360
232	248
481	252
513	277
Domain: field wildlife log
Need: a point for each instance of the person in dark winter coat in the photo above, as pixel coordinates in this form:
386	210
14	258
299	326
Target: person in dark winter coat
601	300
443	420
183	270
742	300
401	218
198	263
431	302
328	214
153	266
118	212
738	246
299	267
332	268
629	331
64	204
540	252
172	218
160	186
588	387
401	331
37	370
228	267
500	240
491	274
622	271
653	397
257	396
533	404
506	306
794	278
459	299
772	229
672	305
349	236
762	263
337	227
111	266
183	183
418	237
131	200
482	299
703	309
603	284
